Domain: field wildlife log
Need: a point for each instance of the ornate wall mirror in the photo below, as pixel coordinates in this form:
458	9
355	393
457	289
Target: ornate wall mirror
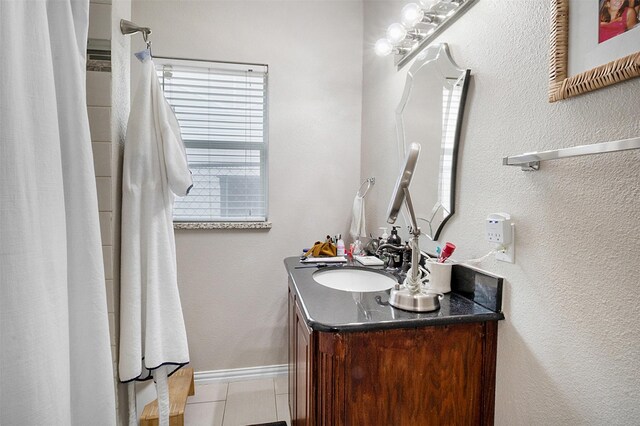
430	113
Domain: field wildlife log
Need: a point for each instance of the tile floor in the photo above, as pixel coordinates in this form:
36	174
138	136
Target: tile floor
239	403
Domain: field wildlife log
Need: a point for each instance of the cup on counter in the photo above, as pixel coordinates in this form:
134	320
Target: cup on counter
439	276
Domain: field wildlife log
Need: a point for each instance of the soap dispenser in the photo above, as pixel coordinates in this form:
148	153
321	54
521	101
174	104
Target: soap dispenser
394	238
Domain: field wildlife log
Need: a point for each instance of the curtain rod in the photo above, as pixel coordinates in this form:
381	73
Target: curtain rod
128	27
209	60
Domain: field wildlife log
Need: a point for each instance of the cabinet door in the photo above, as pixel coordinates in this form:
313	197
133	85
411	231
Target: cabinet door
292	354
303	385
423	376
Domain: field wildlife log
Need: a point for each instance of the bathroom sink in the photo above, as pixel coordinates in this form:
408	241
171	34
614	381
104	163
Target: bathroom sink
354	279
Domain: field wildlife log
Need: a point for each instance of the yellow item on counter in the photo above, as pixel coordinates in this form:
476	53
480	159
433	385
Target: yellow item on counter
320	249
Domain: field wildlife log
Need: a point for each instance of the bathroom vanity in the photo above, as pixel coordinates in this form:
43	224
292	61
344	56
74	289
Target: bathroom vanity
356	360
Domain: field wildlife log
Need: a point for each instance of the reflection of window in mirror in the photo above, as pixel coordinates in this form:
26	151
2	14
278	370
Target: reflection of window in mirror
451	95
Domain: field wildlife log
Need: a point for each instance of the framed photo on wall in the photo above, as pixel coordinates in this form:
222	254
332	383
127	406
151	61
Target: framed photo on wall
594	44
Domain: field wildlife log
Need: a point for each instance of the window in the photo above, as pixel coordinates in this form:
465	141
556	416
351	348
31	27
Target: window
222	111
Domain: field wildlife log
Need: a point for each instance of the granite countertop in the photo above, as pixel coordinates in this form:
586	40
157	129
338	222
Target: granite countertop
475	297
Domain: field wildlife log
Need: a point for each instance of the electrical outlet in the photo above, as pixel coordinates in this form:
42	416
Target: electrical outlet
509	253
500	230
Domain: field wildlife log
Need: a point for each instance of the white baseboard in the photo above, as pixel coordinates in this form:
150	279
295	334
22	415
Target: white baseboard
237	374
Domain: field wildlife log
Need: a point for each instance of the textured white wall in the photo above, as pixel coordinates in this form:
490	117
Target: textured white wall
569	350
233	283
120	88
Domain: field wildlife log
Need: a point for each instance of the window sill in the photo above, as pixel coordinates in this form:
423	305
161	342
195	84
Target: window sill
221	225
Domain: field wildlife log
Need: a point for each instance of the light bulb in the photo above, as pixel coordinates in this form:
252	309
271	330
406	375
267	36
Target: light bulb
428	4
383	47
396	33
412	14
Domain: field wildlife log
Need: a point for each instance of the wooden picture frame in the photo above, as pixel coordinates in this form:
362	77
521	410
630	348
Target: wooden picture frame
562	86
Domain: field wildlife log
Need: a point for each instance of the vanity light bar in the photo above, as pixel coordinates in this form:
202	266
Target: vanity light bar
421	25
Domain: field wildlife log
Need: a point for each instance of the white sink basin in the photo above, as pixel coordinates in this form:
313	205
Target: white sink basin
354	279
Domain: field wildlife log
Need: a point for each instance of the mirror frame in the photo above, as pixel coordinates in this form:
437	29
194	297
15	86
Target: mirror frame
431	54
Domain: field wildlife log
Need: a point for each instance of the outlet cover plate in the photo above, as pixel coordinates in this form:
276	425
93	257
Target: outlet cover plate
509	255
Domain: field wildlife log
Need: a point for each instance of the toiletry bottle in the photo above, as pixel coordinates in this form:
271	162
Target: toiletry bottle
384	235
357	248
394	238
341	251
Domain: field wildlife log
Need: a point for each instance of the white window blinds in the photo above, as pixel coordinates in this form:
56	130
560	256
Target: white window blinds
222	111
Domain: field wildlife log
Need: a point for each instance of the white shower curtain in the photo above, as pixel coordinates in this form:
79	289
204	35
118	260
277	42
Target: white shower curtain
55	359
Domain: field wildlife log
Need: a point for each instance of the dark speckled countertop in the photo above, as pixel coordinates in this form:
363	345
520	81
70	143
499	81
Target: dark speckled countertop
326	309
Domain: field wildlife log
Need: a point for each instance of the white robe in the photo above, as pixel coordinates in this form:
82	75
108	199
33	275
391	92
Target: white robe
152	331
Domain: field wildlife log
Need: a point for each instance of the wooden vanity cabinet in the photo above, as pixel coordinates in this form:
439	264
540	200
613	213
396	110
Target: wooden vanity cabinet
430	375
300	366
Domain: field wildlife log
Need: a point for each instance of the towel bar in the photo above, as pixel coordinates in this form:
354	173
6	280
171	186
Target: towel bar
530	161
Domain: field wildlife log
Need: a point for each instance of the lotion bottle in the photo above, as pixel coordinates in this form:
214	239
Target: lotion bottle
340	251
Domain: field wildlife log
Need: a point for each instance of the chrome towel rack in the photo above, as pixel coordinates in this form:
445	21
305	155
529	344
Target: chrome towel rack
530	161
369	182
